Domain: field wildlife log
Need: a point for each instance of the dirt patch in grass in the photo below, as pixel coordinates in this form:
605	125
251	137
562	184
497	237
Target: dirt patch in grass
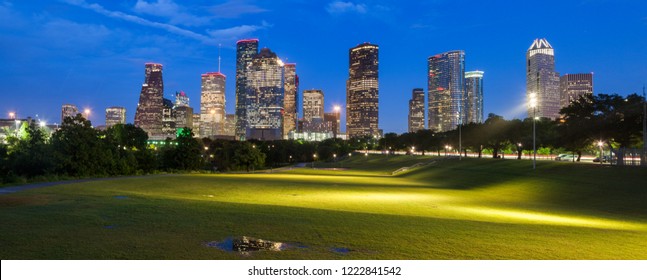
13	201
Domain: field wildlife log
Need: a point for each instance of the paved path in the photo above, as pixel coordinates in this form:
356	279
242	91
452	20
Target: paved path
8	190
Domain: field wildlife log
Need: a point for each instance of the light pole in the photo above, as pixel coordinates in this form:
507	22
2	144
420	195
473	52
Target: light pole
600	144
519	150
460	140
413	150
533	105
314	158
12	115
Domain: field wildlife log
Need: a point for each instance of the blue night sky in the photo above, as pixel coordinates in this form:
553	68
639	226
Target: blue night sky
91	53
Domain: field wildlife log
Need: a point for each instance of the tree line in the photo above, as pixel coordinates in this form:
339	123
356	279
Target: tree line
78	150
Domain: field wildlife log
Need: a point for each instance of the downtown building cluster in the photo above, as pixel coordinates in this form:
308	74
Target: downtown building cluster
265	109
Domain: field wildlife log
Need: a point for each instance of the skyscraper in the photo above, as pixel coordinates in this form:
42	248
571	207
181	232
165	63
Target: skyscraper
183	112
313	110
68	110
362	91
417	110
473	97
149	109
446	87
168	120
572	86
332	121
264	97
541	79
290	99
115	115
212	104
245	51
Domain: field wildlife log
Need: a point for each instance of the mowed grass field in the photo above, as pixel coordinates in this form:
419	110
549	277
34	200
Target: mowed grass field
448	209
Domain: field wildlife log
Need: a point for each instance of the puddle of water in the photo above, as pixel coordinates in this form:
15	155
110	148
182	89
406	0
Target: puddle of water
247	244
120	197
340	250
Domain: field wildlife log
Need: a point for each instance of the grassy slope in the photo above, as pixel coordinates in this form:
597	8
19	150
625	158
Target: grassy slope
471	209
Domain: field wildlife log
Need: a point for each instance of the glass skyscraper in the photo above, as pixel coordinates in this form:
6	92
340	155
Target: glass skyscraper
245	51
362	91
290	100
473	97
541	80
572	86
264	97
417	110
115	115
446	87
212	104
149	109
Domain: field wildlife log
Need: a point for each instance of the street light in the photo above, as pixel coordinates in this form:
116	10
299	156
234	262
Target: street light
533	105
413	150
314	158
600	144
12	115
519	150
87	113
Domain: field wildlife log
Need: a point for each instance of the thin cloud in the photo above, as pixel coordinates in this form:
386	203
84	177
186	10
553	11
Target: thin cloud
212	39
340	7
237	32
234	9
169	9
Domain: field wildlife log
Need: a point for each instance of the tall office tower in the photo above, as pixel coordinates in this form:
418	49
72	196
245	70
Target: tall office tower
196	125
362	91
446	87
264	97
115	115
212	104
473	97
313	111
572	86
313	104
230	125
417	110
149	109
245	51
181	99
68	110
168	120
541	80
183	112
290	99
332	122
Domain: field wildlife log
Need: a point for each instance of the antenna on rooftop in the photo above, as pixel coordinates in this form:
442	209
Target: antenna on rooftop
218	58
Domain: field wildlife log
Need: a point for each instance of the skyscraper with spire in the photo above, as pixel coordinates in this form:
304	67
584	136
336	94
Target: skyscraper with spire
245	50
212	104
148	115
264	96
542	81
362	91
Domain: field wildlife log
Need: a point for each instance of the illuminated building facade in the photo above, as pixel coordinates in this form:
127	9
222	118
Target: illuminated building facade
183	112
245	51
181	99
290	100
313	104
446	87
572	86
212	104
264	97
115	115
332	123
196	125
149	109
168	120
473	97
230	125
362	91
68	110
541	80
417	110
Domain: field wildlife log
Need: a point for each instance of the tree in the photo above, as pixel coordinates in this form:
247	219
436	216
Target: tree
579	125
78	150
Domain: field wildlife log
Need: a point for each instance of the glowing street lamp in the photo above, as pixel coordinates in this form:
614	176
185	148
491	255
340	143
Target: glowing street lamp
314	158
533	105
87	113
12	115
601	144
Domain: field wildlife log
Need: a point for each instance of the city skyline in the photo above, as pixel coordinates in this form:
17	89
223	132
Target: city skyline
67	68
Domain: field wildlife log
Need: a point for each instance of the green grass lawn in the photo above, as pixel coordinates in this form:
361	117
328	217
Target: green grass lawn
448	209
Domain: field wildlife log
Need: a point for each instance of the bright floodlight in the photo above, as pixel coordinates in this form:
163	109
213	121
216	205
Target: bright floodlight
12	115
42	124
337	108
600	143
533	100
